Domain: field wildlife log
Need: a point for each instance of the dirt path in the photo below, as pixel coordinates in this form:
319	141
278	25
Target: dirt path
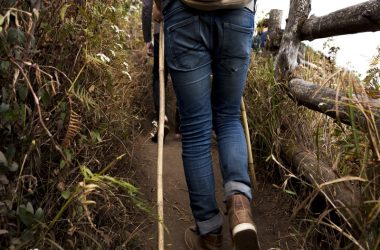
270	207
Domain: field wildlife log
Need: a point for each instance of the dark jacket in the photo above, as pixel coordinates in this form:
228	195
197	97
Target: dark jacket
146	20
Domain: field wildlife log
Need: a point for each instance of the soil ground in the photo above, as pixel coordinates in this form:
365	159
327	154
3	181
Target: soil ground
271	208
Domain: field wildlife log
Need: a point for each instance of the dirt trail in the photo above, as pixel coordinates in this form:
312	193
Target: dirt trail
270	208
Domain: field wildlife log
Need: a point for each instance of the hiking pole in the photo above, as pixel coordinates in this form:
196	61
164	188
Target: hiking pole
160	194
249	147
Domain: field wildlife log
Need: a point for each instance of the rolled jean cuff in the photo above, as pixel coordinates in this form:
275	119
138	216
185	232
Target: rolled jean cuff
210	225
233	187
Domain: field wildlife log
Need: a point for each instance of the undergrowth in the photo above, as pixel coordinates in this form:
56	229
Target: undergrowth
73	90
276	121
70	104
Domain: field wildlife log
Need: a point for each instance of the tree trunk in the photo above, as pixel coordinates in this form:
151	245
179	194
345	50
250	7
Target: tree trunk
358	18
342	195
336	105
274	30
287	58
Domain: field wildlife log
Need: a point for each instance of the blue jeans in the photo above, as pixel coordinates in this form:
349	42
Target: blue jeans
201	46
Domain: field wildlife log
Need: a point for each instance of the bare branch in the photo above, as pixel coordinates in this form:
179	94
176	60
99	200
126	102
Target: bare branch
362	17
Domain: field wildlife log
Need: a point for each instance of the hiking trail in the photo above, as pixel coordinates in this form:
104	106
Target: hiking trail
270	207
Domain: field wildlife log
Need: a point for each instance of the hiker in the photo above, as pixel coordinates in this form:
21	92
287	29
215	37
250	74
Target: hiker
152	49
201	41
260	40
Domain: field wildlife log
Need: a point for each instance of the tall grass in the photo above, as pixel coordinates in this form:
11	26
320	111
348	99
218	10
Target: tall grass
276	120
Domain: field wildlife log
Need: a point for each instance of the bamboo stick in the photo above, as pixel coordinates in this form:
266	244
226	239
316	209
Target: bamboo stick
249	147
160	196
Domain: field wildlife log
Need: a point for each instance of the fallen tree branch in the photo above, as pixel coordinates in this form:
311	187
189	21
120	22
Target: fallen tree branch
337	106
362	17
343	196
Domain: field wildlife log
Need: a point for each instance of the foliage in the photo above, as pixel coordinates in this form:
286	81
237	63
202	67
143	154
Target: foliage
332	49
372	78
67	109
275	120
72	87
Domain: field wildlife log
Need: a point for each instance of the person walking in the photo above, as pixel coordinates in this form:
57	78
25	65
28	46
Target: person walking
152	49
260	40
204	40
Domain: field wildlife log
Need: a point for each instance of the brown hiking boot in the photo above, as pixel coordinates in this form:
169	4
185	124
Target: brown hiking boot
194	241
242	228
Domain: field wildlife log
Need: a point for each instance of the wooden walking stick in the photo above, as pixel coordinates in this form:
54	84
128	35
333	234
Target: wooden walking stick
249	147
160	193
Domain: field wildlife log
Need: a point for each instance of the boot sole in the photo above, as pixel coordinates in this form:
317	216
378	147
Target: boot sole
245	237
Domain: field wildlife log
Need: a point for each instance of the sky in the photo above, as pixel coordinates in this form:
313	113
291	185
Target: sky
356	50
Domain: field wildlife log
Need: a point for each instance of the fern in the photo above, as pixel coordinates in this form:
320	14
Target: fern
84	96
73	127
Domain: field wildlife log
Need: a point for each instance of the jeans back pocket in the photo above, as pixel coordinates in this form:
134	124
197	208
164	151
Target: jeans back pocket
184	44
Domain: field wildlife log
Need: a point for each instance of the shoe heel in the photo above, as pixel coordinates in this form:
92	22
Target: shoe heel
245	237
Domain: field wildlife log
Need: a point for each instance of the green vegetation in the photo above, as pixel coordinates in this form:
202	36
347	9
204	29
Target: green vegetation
372	78
276	120
74	87
68	107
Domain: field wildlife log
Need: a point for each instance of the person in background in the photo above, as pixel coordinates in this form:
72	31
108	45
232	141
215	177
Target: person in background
200	43
264	35
259	41
152	49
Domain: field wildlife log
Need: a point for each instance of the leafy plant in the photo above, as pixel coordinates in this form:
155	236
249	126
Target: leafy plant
372	78
59	104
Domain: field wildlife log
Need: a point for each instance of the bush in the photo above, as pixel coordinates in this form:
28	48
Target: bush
69	88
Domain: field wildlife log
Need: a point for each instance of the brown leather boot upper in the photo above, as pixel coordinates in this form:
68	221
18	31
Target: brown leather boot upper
194	241
239	210
242	228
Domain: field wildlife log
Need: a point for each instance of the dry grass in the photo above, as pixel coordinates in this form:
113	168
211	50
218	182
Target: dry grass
275	120
68	116
81	82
